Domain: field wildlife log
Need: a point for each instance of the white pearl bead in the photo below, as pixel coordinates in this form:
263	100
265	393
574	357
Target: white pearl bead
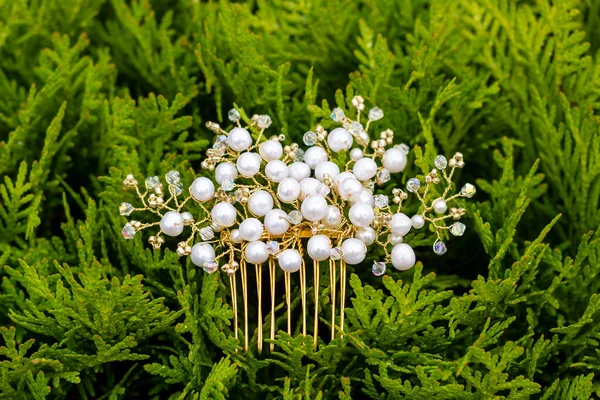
276	222
271	150
299	171
356	154
248	164
239	139
364	169
276	171
288	190
225	170
440	206
354	251
361	214
395	239
260	203
236	236
366	196
326	167
403	257
367	235
338	179
308	187
251	229
417	221
333	217
314	156
400	224
223	214
394	160
319	247
290	260
256	252
350	189
201	253
202	189
339	139
314	208
171	223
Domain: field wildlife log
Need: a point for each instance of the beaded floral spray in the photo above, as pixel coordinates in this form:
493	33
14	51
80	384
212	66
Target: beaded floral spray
272	203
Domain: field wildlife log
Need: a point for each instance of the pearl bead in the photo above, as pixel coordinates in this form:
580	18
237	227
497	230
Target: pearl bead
256	252
290	260
356	154
201	253
319	247
326	167
276	222
248	164
394	160
202	189
314	156
364	169
171	223
288	190
225	170
400	224
333	217
354	251
308	187
260	203
350	189
236	236
271	150
299	171
276	171
251	229
338	179
366	196
395	239
417	221
223	214
239	139
339	139
361	214
314	208
403	257
440	206
367	235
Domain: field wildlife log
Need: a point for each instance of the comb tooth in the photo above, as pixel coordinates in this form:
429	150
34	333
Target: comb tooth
272	283
232	284
245	295
286	276
316	289
333	295
258	269
342	293
303	296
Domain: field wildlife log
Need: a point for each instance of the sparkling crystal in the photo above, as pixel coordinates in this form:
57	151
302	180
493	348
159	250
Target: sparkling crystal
440	162
378	268
383	176
323	189
152	182
356	128
363	138
336	253
299	155
210	266
439	248
172	177
381	201
207	233
404	148
273	247
375	114
263	121
176	190
369	185
239	194
187	216
125	209
309	138
458	228
295	217
468	190
220	143
228	184
337	114
413	185
233	115
128	231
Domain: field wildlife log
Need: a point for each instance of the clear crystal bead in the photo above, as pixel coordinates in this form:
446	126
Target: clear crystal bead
378	268
381	201
125	209
220	143
233	115
383	176
369	185
152	182
356	128
404	147
176	190
458	228
263	121
309	138
375	114
439	248
210	266
272	247
337	114
413	185
295	217
468	191
239	194
299	155
172	177
323	189
207	233
440	162
336	253
363	138
228	184
128	231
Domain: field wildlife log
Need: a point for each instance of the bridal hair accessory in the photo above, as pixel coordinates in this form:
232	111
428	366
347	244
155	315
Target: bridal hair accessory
269	203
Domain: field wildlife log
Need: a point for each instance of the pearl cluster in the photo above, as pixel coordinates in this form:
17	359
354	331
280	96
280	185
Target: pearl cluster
264	198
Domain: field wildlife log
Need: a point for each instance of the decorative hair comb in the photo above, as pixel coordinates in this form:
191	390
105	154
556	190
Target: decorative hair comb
273	203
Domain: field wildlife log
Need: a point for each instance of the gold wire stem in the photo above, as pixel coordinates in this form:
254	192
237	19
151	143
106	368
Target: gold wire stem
245	295
333	290
316	289
234	303
258	268
303	295
286	277
342	293
272	283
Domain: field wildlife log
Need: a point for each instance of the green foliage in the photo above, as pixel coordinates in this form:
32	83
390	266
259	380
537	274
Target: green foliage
93	91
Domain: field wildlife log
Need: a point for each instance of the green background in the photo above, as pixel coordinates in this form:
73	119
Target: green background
93	90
